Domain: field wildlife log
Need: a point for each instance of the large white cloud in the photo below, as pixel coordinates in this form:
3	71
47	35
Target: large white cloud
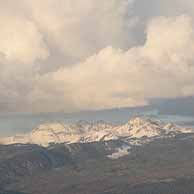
80	28
123	52
20	39
162	67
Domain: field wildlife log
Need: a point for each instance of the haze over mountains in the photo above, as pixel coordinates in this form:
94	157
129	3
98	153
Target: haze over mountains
178	110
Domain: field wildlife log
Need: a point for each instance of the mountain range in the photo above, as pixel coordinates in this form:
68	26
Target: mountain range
142	156
84	132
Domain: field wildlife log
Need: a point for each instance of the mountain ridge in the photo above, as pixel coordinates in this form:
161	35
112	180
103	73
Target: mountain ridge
83	132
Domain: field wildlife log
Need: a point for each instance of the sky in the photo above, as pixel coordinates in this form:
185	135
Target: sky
72	55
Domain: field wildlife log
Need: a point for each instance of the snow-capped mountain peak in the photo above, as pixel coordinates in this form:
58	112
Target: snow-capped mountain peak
83	132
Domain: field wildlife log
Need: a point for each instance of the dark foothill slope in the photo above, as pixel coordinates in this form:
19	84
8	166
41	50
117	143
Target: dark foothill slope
162	166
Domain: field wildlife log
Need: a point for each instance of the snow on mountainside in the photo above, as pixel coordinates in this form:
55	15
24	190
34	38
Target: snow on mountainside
83	132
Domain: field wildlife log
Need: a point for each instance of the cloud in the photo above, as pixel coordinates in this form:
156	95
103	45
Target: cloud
162	67
74	55
81	28
20	39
